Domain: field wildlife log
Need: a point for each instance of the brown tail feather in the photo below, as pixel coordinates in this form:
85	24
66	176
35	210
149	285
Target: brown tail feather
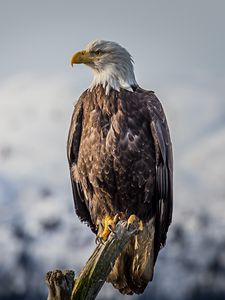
134	267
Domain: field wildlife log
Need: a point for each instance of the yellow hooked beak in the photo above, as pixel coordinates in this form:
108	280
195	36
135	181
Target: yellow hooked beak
81	57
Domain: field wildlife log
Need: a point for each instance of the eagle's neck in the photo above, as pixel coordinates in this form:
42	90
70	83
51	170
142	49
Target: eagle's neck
114	77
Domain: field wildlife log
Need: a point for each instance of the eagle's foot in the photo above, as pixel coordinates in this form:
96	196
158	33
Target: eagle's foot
134	220
107	226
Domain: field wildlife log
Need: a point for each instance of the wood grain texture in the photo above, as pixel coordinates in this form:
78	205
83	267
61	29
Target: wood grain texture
62	286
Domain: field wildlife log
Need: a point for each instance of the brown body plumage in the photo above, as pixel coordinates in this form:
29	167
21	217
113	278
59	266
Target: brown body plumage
120	159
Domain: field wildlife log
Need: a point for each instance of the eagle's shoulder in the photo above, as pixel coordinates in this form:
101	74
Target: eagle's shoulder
149	102
78	102
75	128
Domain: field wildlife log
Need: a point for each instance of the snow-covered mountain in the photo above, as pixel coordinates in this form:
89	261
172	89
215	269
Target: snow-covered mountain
38	228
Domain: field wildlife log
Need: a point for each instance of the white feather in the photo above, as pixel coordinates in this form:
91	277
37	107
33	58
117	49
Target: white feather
113	69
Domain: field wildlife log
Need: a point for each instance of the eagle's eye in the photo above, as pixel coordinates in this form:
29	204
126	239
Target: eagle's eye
96	53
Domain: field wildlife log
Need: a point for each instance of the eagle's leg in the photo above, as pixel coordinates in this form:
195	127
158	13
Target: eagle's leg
133	219
106	226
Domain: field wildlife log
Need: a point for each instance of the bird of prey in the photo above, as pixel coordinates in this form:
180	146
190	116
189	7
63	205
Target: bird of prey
120	160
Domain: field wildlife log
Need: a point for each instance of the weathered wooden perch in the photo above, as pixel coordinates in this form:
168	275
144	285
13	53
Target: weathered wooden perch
62	286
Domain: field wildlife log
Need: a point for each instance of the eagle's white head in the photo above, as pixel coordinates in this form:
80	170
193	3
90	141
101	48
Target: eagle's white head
112	65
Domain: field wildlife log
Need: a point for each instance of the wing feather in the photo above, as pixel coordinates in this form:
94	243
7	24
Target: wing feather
73	144
164	174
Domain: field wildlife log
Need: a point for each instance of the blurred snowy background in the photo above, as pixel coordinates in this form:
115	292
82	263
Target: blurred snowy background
178	48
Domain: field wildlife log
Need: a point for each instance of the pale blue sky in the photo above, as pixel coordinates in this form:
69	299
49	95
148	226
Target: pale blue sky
169	40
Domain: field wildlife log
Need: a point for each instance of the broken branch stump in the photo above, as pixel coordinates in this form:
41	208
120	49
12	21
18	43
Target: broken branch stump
62	286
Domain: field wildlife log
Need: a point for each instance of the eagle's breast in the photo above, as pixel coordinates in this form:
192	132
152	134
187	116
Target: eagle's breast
116	162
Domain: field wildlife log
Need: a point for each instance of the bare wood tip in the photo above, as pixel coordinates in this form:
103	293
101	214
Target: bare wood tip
60	284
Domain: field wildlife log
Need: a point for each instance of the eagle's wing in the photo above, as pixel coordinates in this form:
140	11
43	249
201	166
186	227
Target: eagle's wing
73	144
164	171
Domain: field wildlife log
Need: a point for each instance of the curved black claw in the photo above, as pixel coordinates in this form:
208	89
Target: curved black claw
111	229
99	240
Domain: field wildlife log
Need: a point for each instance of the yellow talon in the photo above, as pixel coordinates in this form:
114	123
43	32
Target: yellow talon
140	225
131	219
108	224
106	232
134	219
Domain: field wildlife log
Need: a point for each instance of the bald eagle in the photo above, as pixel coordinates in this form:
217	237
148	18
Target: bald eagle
120	159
